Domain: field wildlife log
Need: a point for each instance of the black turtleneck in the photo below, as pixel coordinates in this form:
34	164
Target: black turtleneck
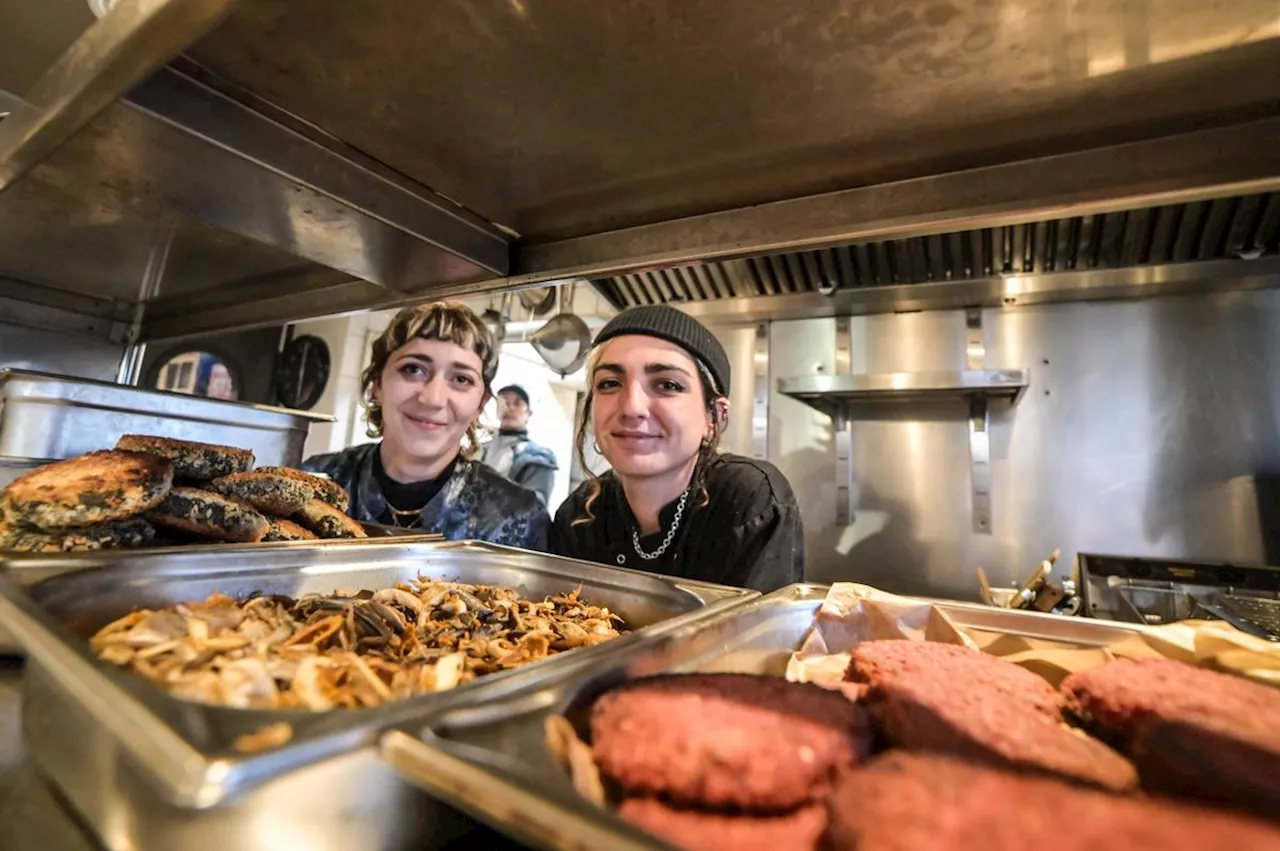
410	496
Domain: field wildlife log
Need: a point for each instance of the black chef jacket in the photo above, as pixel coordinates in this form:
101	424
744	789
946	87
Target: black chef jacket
749	533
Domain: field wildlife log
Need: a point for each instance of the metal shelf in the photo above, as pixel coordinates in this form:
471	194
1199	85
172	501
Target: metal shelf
830	393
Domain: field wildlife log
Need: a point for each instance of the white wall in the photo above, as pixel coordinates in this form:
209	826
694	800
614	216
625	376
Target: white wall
345	336
551	399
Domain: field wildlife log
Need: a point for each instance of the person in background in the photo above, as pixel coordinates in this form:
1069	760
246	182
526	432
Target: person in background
428	379
512	453
657	403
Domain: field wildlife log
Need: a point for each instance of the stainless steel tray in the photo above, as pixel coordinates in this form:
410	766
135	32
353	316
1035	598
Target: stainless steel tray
11	468
492	760
148	771
56	416
26	569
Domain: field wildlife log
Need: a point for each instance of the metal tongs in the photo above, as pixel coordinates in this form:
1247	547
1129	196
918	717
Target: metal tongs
1039	593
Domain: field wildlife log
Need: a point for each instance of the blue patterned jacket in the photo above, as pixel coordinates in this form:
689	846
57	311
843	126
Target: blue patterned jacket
476	503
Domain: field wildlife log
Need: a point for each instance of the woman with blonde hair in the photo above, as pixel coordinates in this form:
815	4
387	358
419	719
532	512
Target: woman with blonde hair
657	403
428	380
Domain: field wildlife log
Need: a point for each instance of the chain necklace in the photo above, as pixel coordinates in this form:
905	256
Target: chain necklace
397	513
671	533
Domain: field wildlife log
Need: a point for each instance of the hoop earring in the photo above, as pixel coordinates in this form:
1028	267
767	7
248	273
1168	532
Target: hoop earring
596	447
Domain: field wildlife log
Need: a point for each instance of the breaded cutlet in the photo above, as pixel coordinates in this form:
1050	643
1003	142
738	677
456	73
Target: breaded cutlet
324	489
328	522
192	461
118	534
209	515
286	530
269	492
99	487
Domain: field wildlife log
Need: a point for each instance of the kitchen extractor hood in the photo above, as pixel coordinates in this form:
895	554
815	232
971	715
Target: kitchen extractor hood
1232	241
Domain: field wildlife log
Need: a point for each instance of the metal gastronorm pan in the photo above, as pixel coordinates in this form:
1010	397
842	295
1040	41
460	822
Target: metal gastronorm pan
493	762
149	771
26	569
58	416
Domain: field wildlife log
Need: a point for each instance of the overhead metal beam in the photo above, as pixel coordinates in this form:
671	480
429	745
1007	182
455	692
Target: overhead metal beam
172	139
132	40
26	313
344	210
63	300
9	103
288	298
1233	160
1136	282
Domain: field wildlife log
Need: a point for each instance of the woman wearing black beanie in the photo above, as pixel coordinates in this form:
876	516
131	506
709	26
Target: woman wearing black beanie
657	403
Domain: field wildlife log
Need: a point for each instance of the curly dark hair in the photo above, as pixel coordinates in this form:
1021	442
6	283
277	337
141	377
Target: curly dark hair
450	321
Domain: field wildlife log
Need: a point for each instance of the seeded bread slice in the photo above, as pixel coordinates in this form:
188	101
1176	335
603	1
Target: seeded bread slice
210	515
323	489
192	461
269	492
122	534
328	522
99	487
286	530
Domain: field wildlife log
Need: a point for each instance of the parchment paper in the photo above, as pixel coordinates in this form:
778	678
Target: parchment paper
854	613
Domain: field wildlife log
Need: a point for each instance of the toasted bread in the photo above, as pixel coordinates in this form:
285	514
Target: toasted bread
192	461
269	492
99	487
324	489
328	522
134	532
286	530
209	515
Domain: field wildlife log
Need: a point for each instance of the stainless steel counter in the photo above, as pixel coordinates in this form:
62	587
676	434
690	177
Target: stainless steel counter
31	819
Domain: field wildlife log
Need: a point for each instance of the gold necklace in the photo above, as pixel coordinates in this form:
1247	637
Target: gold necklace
397	513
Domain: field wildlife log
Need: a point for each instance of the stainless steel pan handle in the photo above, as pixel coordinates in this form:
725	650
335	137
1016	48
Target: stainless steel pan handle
504	800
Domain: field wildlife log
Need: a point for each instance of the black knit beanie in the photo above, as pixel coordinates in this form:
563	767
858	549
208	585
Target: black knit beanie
667	323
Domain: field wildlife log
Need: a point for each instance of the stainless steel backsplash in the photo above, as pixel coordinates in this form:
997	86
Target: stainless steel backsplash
1150	428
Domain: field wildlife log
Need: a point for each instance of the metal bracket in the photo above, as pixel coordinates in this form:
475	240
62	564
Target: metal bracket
979	428
843	427
760	408
105	62
130	371
975	350
980	464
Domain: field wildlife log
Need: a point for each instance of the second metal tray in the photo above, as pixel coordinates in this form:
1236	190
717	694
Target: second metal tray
134	760
493	761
